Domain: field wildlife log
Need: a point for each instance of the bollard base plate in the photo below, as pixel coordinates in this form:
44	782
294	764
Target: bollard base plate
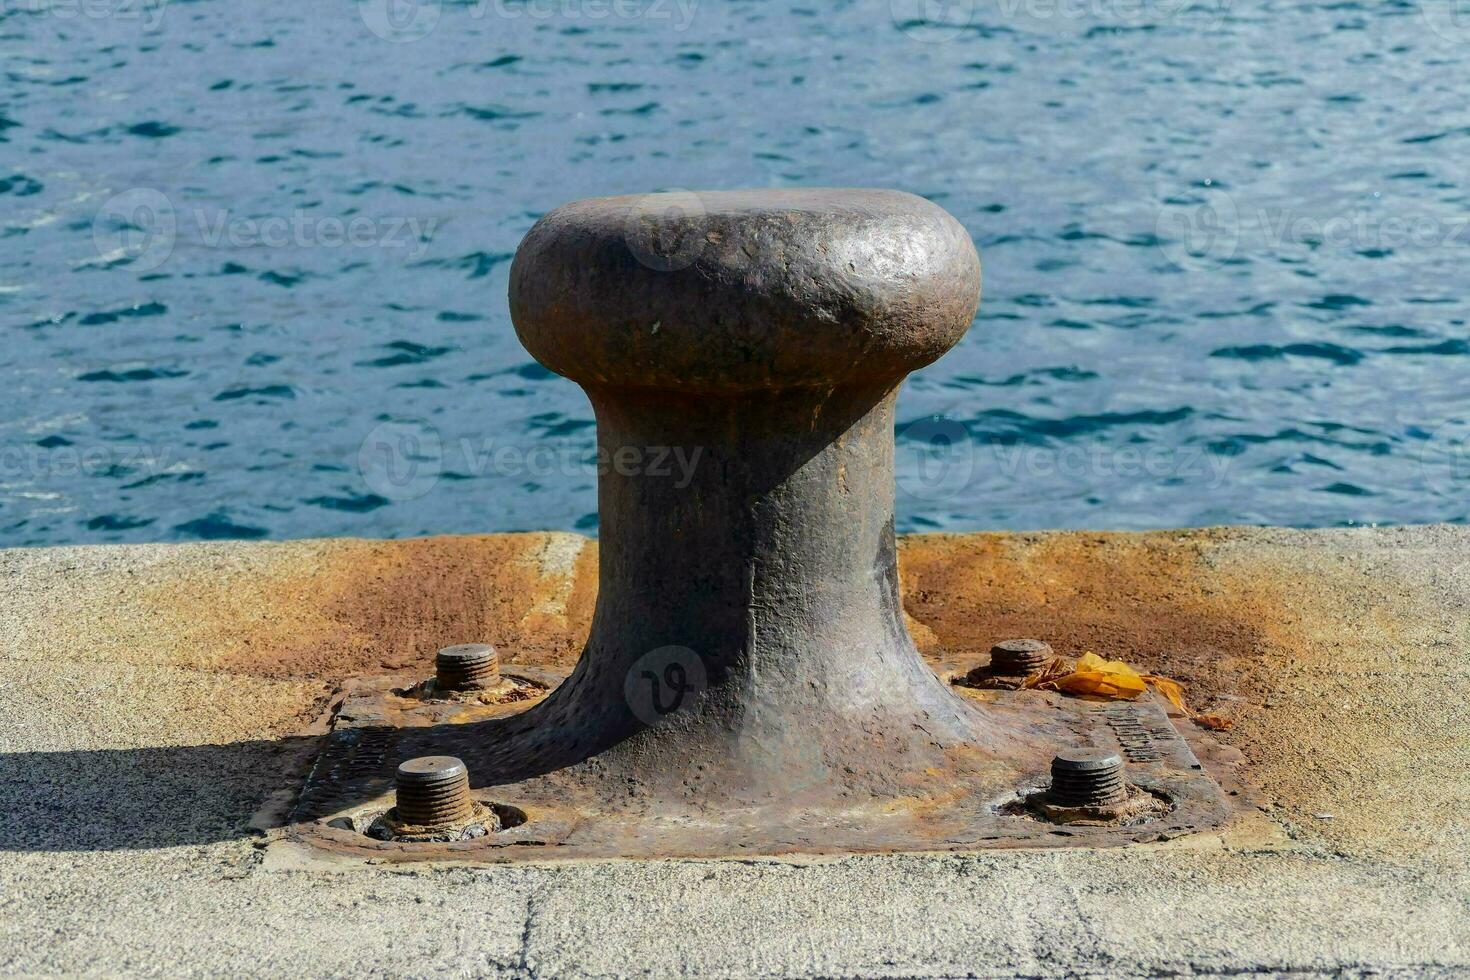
376	726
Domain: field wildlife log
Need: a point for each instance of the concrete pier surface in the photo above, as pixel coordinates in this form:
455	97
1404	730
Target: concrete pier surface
157	704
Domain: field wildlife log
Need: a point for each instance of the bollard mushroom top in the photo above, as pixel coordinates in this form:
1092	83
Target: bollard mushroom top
744	290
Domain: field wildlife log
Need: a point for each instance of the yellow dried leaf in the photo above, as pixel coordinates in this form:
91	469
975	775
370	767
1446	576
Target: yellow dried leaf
1092	676
1096	677
1172	690
1045	679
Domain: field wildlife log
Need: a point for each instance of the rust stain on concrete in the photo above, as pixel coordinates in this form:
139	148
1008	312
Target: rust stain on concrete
345	608
327	610
1155	600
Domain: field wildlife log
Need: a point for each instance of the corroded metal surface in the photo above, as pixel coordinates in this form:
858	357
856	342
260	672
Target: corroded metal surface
433	792
744	291
467	667
354	777
1087	777
748	641
749	684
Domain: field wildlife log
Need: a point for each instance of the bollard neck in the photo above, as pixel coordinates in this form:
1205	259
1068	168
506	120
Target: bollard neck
798	481
764	543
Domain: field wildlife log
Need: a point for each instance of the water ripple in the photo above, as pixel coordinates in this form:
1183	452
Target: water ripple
265	297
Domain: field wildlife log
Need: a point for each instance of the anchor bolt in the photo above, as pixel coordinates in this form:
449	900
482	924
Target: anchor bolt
1087	778
1019	657
467	667
434	792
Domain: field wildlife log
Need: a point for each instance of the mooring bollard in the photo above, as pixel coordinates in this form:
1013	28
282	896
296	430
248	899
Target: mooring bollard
762	335
748	685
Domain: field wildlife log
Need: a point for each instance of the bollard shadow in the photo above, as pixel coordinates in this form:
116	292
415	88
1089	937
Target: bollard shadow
85	800
127	799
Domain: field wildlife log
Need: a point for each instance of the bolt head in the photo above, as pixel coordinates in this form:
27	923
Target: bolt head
1018	657
1086	760
431	769
1022	646
465	653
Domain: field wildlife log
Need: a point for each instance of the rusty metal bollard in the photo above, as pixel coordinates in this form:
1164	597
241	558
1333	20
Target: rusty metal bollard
762	335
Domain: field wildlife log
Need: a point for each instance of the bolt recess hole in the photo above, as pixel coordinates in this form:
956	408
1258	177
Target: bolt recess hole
510	816
488	819
1143	805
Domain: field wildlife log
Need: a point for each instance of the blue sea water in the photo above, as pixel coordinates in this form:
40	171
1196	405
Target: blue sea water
253	256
